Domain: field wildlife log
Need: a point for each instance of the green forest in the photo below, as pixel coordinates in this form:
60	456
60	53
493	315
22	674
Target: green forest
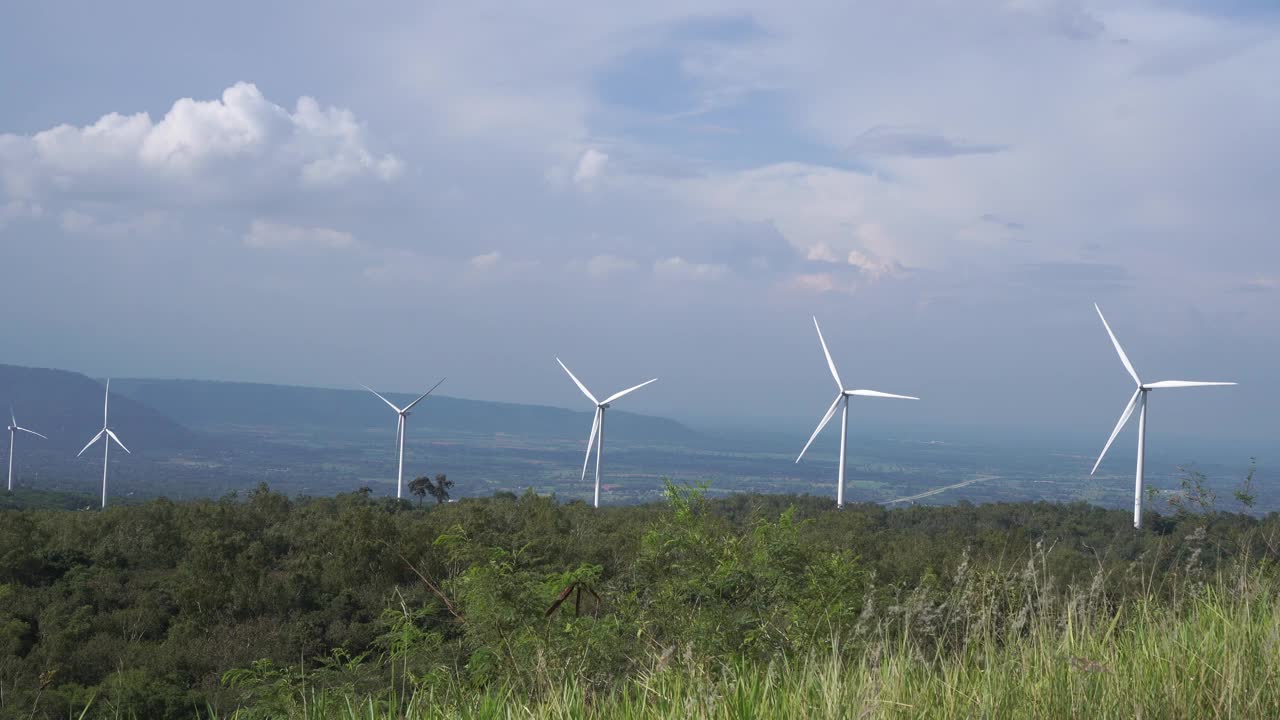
265	606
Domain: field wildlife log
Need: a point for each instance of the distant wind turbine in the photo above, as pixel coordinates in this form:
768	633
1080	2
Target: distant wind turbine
106	435
841	395
403	414
1139	395
13	430
597	424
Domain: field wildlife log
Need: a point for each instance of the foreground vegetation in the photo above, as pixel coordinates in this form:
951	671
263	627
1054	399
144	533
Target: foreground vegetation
753	606
1212	657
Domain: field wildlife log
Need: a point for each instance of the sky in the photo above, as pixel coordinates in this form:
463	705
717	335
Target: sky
388	193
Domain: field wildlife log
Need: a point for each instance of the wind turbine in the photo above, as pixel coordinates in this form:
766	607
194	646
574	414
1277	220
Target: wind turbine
597	424
13	430
1139	395
107	436
841	395
403	414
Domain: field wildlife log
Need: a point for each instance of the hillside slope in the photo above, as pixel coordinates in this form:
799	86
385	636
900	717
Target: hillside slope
219	405
67	407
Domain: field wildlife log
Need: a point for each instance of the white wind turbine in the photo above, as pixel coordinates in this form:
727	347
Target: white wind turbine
107	436
841	395
1139	395
403	414
597	424
14	428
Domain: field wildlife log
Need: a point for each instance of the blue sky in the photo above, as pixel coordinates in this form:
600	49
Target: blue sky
390	192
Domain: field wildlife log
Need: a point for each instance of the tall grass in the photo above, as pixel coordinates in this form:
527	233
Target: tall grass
1209	651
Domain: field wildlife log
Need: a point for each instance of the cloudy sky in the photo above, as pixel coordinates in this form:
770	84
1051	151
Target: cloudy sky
391	192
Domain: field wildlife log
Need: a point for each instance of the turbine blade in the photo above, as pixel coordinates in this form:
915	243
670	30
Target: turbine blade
1185	383
825	419
13	417
113	437
578	382
591	441
1124	418
375	392
33	432
106	396
409	407
629	390
830	363
91	442
877	393
1123	358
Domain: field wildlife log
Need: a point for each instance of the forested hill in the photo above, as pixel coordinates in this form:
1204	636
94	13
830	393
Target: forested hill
67	407
219	405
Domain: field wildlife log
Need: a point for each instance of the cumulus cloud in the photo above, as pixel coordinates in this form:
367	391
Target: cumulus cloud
681	269
1263	283
816	282
487	261
17	210
590	167
144	223
602	266
232	148
822	252
265	235
917	142
873	266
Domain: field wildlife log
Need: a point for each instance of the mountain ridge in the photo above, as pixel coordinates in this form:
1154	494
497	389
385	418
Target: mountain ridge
217	404
66	406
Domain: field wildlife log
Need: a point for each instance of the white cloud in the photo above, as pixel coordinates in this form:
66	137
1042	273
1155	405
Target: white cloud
860	259
265	235
140	224
873	266
815	282
679	268
601	266
18	210
487	261
822	252
824	213
590	167
237	148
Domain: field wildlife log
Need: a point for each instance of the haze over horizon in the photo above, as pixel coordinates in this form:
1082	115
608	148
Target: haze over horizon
390	195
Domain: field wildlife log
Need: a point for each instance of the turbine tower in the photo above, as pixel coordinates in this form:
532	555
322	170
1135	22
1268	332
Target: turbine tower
14	428
1139	397
107	436
403	414
597	424
842	395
